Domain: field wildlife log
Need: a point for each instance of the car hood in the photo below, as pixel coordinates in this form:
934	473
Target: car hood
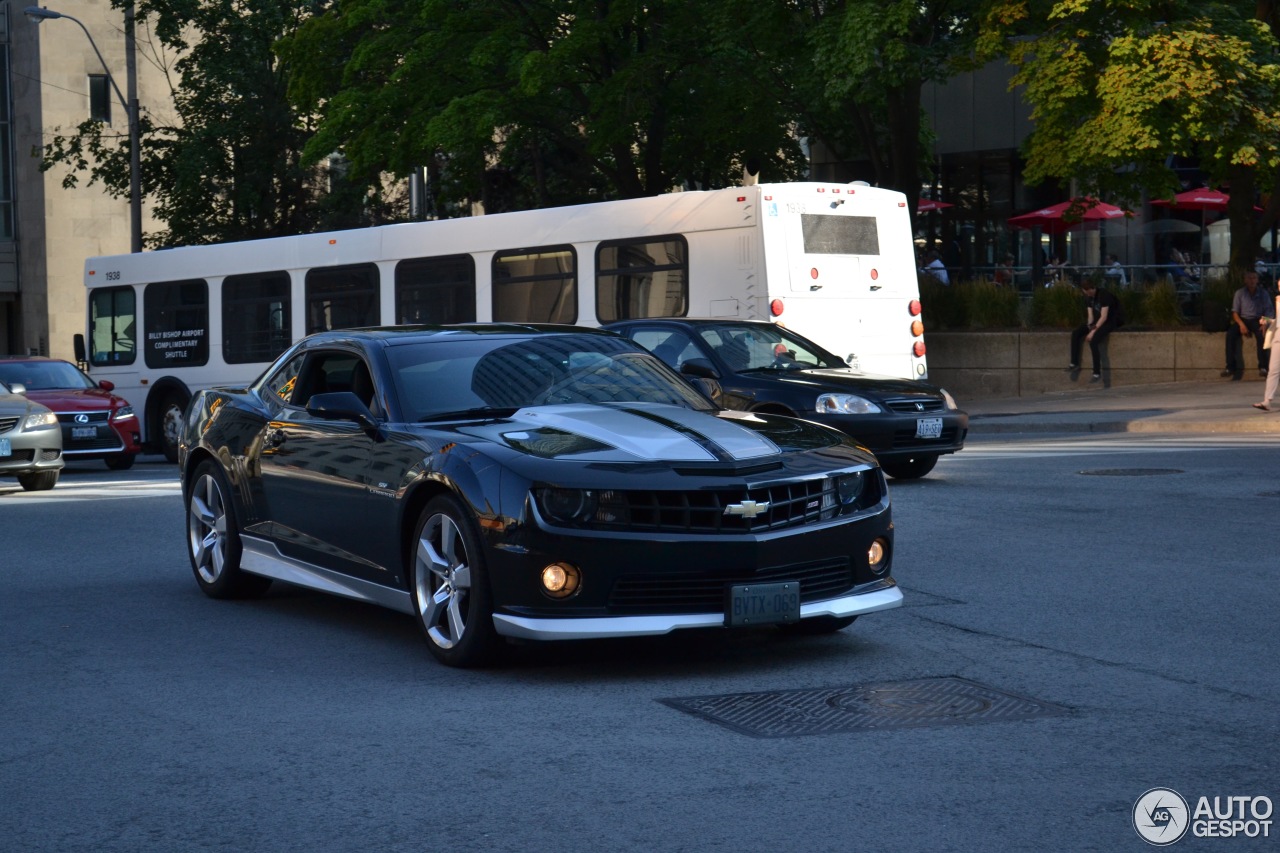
73	399
851	381
650	432
16	404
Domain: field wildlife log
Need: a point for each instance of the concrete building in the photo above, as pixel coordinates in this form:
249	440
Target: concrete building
51	80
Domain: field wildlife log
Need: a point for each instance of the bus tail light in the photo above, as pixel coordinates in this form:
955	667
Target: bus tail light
875	274
918	349
917	328
914	307
775	307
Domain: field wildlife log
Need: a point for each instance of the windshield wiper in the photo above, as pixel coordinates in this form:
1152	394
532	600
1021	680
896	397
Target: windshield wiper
485	412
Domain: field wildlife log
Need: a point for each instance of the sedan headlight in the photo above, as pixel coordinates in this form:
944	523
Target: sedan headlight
845	404
123	413
40	420
951	401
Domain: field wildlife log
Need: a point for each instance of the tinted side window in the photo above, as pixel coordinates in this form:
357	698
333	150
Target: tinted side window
113	326
536	285
342	297
255	317
642	278
436	290
176	323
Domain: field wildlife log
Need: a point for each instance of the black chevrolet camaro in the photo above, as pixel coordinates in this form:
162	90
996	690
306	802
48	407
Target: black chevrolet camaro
762	367
527	482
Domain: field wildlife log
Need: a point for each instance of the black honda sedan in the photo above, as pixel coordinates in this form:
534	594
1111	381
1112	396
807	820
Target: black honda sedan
762	367
541	483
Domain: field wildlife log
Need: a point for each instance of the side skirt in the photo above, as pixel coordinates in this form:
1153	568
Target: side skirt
263	558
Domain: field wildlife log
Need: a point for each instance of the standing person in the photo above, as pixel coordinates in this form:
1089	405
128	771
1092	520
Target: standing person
1273	377
1250	304
936	268
1102	314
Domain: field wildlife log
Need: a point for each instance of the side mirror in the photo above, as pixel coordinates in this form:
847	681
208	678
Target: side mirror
77	346
699	367
18	388
107	385
342	406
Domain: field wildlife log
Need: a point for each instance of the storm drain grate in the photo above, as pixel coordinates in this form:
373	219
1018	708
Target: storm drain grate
891	705
1131	472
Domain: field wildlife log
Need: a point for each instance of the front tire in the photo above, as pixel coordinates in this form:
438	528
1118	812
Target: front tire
451	597
120	461
213	538
39	481
911	467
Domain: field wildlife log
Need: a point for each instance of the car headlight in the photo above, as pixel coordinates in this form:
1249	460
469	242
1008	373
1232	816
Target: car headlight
845	404
123	413
40	420
951	401
566	506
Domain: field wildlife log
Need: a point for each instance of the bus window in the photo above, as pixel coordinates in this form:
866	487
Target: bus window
342	297
642	278
112	326
535	286
436	290
840	235
255	317
176	322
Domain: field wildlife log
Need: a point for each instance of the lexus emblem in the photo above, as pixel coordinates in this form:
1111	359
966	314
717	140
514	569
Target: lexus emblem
747	509
82	419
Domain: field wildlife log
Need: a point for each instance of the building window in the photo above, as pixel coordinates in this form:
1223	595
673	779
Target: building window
100	98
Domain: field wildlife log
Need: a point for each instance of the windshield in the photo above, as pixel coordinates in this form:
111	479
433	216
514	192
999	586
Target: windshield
765	347
44	375
437	380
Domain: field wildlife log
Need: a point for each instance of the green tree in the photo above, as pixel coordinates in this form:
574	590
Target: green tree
226	163
1119	88
528	103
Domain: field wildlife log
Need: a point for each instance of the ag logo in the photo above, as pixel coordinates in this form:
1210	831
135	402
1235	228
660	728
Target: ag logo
1160	816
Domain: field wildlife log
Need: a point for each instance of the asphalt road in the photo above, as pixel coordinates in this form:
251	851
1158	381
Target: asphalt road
1126	582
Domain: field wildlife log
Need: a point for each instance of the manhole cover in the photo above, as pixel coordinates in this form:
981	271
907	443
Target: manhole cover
1131	472
892	705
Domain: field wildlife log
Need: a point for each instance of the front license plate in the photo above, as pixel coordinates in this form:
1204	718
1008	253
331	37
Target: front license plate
5	448
763	604
928	427
84	432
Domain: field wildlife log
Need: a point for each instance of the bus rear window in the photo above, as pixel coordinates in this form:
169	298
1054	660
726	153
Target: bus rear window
176	323
840	235
113	326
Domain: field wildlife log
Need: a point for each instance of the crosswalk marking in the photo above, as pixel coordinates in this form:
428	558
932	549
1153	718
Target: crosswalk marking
69	489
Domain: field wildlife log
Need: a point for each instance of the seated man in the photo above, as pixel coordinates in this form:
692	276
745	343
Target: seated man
1103	314
1250	304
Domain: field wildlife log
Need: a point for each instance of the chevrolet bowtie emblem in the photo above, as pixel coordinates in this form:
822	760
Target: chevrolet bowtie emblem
747	509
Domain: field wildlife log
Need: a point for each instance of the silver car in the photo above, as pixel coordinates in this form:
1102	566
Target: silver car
30	440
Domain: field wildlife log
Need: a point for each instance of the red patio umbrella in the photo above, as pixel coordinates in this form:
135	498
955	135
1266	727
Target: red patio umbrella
927	205
1201	199
1068	214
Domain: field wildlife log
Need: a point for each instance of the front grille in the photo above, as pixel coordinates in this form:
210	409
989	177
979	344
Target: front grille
907	438
703	590
94	417
7	424
106	439
724	510
49	455
915	405
20	456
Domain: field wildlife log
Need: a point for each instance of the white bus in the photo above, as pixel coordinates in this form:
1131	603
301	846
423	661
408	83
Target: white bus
834	262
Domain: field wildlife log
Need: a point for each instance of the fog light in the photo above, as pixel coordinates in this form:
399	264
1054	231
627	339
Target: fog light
876	554
560	580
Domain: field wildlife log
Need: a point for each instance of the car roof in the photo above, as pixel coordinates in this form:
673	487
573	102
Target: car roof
395	335
694	321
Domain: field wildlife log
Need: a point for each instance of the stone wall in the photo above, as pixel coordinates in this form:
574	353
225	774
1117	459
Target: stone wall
1019	364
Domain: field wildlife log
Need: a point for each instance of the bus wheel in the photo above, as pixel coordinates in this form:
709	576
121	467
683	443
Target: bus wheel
911	468
171	409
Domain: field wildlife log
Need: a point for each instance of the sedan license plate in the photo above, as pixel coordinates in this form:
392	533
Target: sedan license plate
763	604
5	448
84	432
928	427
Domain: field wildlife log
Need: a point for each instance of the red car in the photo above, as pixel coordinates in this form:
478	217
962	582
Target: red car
96	424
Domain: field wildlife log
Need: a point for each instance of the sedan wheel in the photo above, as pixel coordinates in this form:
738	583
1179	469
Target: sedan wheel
911	468
450	590
213	540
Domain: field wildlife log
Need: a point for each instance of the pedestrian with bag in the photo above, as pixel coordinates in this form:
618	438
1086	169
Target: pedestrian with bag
1273	374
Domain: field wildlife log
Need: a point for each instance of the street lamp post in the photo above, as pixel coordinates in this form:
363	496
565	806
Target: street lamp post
36	14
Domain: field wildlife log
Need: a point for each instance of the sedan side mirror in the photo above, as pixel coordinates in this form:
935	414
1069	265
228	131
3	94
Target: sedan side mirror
107	385
700	367
342	406
18	388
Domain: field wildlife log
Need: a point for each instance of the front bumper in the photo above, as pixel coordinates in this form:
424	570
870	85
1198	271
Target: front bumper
520	627
893	434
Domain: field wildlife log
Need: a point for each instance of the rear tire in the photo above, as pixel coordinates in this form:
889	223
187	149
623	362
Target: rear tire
213	538
120	461
911	467
449	586
39	481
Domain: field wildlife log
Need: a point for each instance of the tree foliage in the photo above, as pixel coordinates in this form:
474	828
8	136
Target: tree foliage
1117	89
527	103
